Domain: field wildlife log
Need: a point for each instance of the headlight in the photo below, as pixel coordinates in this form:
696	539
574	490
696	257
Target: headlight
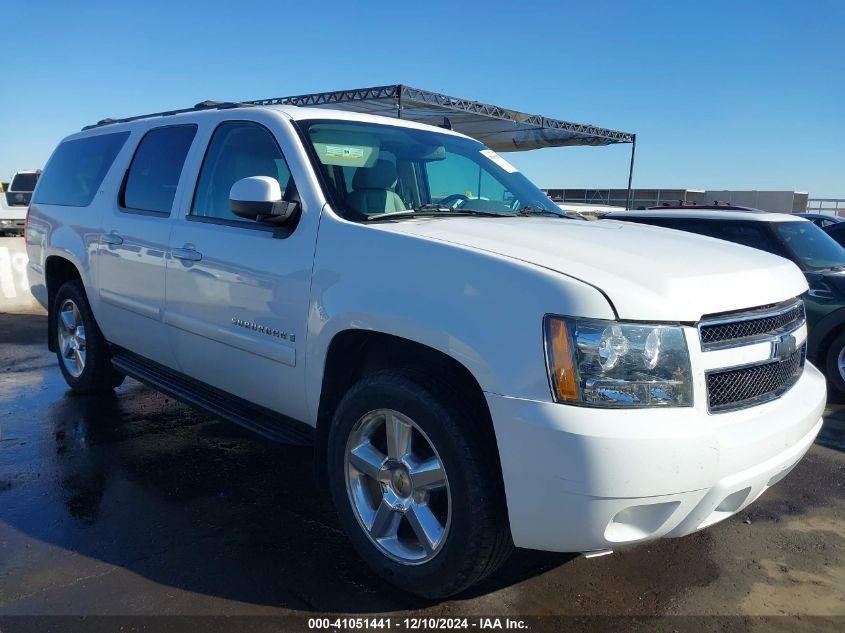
616	364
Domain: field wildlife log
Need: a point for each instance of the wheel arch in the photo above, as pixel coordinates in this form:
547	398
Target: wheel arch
823	333
355	353
58	270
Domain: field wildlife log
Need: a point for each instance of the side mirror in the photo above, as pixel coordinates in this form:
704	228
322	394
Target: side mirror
259	198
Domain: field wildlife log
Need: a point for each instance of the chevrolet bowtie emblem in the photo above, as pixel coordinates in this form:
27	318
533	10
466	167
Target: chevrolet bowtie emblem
784	347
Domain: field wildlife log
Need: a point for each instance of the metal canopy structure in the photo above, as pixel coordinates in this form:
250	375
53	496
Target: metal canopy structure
498	128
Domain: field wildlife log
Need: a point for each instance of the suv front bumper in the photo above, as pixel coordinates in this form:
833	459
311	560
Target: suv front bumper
12	225
579	479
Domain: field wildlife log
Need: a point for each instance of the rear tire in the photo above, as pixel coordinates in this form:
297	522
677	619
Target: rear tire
83	354
444	526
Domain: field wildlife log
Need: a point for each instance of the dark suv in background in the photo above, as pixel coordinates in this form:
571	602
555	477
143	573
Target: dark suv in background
836	231
821	220
800	240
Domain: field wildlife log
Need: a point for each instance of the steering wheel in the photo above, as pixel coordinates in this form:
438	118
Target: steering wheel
449	201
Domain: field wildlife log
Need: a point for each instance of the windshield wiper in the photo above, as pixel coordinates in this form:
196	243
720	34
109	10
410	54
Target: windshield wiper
428	210
434	207
465	210
536	209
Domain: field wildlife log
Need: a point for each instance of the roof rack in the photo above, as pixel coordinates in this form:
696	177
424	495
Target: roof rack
704	206
204	105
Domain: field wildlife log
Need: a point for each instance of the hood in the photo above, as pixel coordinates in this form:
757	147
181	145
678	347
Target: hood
647	272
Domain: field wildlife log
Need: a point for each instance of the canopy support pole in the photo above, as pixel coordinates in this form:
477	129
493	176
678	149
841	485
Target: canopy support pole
629	200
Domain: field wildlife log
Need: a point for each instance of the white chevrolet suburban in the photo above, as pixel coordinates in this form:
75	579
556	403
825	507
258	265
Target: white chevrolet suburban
475	369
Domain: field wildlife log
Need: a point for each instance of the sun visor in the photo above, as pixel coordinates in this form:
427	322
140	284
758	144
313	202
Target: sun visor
357	149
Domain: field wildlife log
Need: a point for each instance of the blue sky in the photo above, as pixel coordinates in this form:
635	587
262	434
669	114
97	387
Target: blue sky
733	95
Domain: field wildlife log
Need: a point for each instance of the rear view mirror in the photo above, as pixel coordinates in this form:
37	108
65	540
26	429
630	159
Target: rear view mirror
259	198
422	153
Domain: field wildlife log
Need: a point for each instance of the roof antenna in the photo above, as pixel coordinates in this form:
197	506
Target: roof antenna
446	123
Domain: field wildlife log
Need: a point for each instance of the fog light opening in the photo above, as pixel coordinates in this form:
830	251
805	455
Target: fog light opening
639	522
776	478
729	506
734	501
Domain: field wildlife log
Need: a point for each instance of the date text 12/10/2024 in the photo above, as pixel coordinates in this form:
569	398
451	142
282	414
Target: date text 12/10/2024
416	624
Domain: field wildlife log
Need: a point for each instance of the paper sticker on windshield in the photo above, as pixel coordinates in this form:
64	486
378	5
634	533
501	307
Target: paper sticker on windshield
344	151
501	162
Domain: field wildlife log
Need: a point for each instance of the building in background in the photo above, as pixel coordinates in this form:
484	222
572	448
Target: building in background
619	197
776	201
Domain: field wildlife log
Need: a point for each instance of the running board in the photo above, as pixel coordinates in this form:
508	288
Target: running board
215	402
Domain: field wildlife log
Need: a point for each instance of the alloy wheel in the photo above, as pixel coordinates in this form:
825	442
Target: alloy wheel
840	363
398	488
71	338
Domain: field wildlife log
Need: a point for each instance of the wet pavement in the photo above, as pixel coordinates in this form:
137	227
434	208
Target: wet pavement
134	504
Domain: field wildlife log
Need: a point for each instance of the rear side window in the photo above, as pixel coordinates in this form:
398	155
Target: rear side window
745	233
752	235
837	232
156	167
77	168
737	231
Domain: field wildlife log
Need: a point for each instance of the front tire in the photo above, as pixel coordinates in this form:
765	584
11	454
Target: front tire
81	349
835	363
415	478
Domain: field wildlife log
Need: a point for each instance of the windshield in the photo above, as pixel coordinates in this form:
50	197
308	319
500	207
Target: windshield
372	170
24	182
814	248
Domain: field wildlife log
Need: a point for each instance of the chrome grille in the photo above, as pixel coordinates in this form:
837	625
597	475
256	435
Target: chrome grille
751	326
730	389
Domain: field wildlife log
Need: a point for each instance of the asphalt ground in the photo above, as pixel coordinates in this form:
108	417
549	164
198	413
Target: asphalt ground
136	505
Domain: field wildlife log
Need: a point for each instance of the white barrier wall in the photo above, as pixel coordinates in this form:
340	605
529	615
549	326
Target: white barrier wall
14	287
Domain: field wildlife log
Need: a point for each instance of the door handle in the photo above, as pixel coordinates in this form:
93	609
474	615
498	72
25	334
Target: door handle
188	254
112	239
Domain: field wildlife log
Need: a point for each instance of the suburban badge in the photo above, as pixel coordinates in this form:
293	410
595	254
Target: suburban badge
263	329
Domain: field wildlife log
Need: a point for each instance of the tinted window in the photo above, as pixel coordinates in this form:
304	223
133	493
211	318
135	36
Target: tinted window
24	182
813	248
746	233
837	232
156	167
237	150
77	168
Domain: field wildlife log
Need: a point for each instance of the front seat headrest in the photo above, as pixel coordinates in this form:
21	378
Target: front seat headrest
382	175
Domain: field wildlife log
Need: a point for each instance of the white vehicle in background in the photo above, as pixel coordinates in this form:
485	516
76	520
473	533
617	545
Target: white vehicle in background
15	201
475	368
587	210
